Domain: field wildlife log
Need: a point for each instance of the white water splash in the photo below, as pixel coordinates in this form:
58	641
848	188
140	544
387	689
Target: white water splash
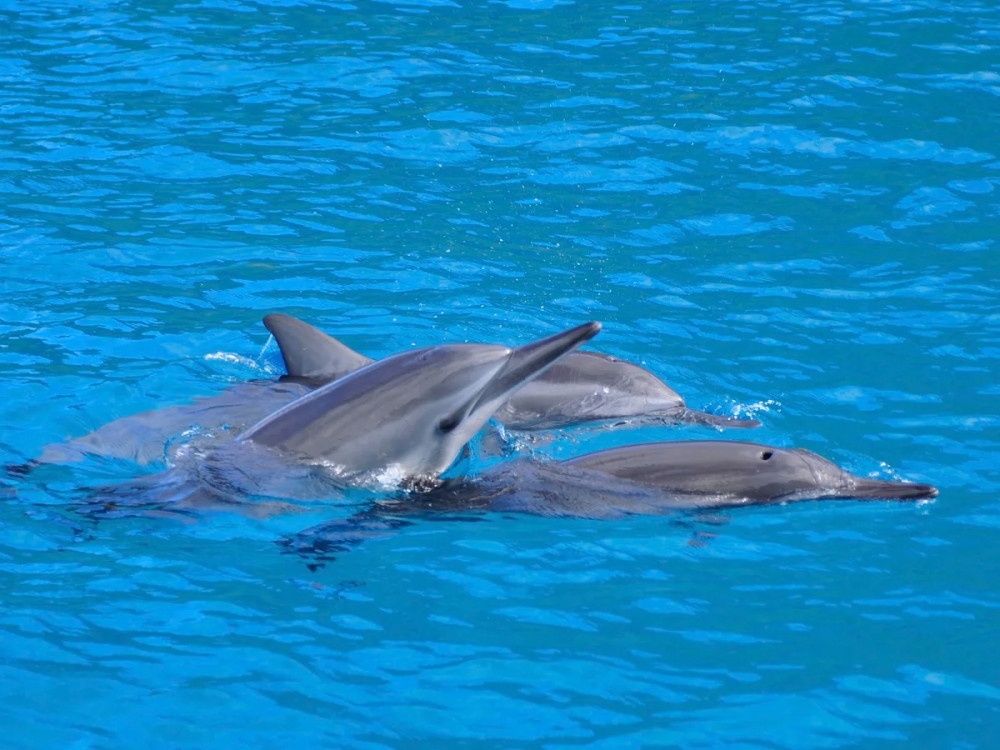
259	367
753	410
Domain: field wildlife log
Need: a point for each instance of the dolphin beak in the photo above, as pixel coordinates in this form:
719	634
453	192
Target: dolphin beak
874	489
528	361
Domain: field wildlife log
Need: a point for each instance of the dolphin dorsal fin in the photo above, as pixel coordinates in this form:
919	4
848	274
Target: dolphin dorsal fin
310	353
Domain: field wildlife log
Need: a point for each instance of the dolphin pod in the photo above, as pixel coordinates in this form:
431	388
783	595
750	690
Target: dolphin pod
582	387
403	420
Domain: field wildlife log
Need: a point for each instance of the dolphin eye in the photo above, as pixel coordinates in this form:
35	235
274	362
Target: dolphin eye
448	424
766	455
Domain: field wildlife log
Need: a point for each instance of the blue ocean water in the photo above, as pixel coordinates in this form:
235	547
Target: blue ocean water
788	210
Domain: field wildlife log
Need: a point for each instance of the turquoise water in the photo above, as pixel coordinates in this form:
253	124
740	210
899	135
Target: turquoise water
789	210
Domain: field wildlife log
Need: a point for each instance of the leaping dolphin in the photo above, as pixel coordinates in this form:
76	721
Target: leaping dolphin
582	387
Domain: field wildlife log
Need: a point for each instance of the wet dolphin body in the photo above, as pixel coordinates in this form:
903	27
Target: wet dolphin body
645	479
399	420
582	387
410	412
722	472
651	478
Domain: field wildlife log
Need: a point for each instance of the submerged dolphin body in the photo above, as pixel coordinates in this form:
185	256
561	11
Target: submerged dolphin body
582	387
145	437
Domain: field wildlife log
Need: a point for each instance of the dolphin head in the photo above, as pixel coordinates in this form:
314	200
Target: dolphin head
728	472
832	482
408	416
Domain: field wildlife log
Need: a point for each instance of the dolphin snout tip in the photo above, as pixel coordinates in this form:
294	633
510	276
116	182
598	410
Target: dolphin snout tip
915	491
880	489
918	491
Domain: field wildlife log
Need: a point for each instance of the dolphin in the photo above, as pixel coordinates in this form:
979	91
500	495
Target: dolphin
399	421
582	387
723	472
410	413
590	387
661	478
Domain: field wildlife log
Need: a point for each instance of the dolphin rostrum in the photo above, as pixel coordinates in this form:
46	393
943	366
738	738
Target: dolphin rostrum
581	387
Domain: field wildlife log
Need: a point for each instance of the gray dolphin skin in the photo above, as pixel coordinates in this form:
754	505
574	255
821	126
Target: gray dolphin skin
723	472
410	414
582	387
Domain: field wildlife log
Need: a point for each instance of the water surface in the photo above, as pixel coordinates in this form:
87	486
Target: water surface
788	210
